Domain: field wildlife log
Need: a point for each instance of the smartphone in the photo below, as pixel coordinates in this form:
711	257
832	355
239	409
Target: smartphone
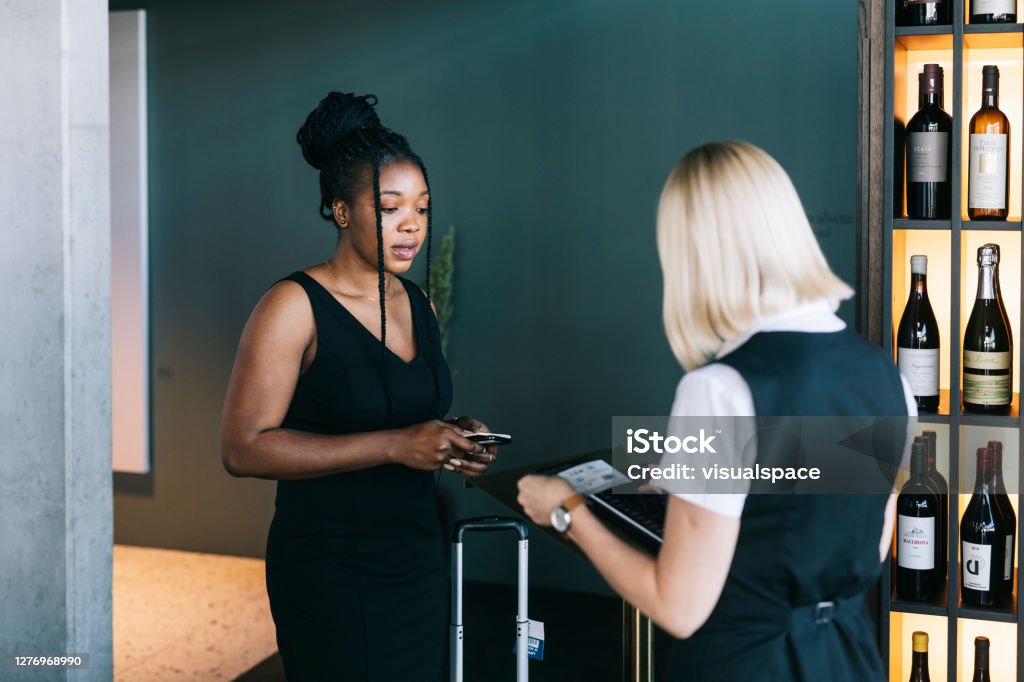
486	438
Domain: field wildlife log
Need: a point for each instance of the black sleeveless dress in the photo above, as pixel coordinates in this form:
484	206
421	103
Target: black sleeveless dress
796	551
356	561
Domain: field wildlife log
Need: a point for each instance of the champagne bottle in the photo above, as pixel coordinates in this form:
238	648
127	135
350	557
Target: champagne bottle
929	154
988	180
923	12
917	341
993	12
1005	508
988	344
916	550
942	488
985	538
981	660
919	664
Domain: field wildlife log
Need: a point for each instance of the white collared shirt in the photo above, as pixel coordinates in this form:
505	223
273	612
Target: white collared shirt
716	389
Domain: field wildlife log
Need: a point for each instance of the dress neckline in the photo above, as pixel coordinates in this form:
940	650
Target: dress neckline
366	330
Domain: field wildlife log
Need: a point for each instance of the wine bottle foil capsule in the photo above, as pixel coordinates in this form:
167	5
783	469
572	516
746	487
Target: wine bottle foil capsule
988	255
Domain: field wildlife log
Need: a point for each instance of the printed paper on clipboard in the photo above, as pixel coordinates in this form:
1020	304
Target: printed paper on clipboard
593	477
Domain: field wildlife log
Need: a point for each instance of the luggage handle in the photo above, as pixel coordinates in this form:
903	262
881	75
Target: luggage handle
488	523
491	523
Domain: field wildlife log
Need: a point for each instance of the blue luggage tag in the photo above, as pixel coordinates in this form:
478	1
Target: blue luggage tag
535	641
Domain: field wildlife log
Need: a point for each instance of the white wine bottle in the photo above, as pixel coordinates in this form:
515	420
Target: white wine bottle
919	664
988	179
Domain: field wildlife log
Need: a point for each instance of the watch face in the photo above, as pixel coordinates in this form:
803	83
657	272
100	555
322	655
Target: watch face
560	519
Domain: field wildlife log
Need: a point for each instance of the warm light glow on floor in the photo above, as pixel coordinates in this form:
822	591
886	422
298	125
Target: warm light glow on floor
185	615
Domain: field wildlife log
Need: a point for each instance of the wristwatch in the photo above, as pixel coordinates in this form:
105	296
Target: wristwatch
561	516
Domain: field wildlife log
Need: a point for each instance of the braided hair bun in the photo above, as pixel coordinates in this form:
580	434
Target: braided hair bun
334	120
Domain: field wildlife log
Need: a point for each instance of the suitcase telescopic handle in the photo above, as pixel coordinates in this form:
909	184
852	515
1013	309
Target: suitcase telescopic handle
487	523
491	523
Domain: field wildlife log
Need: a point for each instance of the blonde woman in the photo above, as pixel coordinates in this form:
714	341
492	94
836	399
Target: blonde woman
755	587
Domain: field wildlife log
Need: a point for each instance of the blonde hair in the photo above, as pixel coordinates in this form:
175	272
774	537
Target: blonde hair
735	245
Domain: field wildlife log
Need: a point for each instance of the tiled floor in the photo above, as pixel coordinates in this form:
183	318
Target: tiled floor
188	616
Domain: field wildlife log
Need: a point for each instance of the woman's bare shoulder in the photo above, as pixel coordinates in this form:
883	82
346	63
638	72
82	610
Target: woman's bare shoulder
283	312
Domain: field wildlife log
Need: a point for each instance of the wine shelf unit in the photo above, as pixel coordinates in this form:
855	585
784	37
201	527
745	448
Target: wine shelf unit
961	49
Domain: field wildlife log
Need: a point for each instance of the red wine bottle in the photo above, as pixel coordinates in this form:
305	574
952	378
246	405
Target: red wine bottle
988	179
985	539
1005	507
923	12
942	488
919	664
929	154
981	660
916	549
993	12
917	340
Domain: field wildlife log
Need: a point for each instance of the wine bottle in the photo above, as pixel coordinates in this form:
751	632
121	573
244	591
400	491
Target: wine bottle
917	509
942	488
917	341
984	541
899	178
923	12
981	660
993	11
928	153
1005	508
988	181
919	664
988	344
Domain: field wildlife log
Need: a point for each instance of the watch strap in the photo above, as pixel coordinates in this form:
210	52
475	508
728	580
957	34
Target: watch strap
573	501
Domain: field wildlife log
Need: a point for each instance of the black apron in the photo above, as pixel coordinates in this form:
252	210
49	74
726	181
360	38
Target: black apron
793	604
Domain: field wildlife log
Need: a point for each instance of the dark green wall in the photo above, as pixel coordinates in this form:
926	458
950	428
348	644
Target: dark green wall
548	128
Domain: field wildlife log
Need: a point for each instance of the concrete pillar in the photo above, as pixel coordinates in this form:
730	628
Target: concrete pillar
55	444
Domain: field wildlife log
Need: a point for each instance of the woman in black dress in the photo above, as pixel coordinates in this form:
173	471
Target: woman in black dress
338	393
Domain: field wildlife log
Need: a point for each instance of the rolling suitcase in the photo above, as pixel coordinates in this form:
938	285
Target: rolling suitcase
490	523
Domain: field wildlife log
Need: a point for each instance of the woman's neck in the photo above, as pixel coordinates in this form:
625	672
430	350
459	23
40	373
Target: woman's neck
353	276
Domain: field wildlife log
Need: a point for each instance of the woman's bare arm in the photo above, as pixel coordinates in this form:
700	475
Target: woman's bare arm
262	383
675	590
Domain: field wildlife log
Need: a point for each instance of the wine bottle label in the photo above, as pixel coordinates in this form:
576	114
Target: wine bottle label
921	368
926	157
1008	562
917	543
986	390
977	564
987	182
974	359
993	7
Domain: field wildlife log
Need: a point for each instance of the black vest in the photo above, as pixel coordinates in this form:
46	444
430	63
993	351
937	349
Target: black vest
795	551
